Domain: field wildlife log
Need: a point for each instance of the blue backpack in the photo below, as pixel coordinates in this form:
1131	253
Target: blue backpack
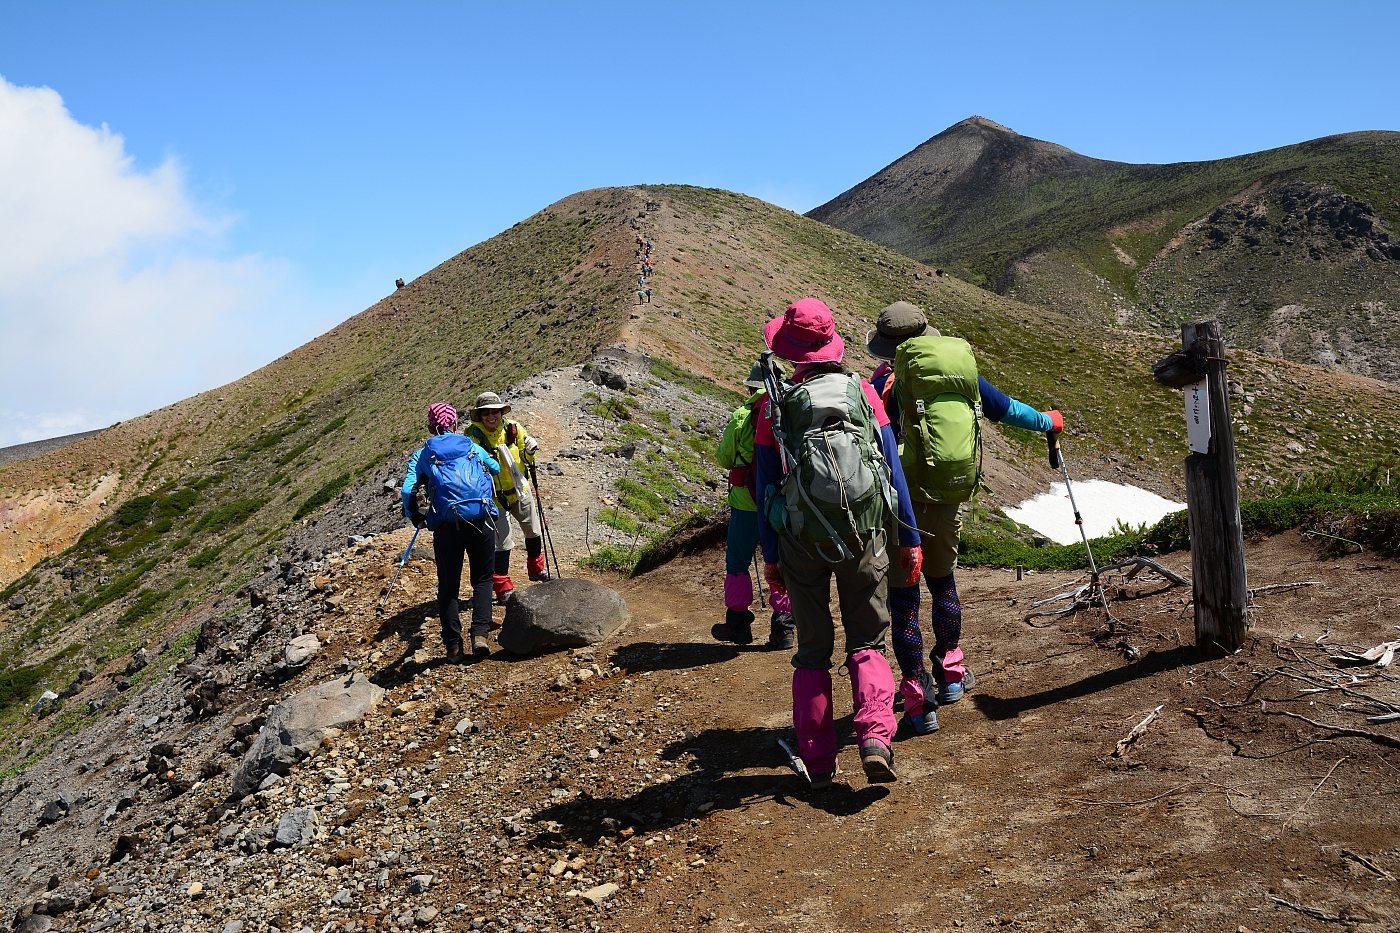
458	480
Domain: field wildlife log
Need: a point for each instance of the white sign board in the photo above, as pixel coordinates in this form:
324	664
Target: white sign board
1198	417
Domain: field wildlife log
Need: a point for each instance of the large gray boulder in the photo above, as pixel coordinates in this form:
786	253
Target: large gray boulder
561	614
296	726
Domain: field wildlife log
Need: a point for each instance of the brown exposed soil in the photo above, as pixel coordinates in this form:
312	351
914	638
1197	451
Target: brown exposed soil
1015	814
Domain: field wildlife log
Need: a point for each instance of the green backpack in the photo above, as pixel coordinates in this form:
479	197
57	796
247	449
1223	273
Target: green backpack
935	383
836	484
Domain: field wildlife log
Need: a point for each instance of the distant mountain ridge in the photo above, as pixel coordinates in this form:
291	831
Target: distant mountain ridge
1296	249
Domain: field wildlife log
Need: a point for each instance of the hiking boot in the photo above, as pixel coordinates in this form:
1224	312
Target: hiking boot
537	570
737	627
455	654
877	759
782	634
480	646
953	691
926	723
823	781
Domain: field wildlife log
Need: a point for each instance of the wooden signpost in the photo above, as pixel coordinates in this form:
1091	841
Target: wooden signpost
1218	585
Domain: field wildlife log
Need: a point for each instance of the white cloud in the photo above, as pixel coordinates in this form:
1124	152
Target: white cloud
117	295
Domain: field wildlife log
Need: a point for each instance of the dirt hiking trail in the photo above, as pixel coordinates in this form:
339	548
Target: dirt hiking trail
637	785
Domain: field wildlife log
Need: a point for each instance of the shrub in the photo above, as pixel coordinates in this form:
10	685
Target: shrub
228	515
323	495
205	557
17	684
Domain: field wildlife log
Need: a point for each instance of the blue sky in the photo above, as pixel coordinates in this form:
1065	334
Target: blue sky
203	186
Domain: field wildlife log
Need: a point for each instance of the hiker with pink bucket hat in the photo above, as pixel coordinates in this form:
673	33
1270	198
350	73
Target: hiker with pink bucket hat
830	493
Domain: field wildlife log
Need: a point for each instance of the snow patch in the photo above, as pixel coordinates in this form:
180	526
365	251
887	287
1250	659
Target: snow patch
1102	504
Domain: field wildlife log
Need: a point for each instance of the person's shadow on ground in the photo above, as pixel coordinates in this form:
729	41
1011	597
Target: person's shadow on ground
711	784
410	626
641	656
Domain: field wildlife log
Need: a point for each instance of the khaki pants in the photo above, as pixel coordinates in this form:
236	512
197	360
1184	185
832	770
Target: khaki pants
939	525
860	590
524	512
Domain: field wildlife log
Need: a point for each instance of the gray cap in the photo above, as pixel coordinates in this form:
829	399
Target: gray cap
897	323
755	377
489	401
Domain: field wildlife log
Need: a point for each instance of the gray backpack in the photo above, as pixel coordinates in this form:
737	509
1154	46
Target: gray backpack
836	486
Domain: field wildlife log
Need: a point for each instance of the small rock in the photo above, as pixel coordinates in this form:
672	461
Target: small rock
602	892
195	889
55	810
341	898
46	704
297	827
301	650
425	916
17	601
419	883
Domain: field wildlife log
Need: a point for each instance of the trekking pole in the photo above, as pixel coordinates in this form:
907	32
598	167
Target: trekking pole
772	382
1052	440
758	577
395	578
544	524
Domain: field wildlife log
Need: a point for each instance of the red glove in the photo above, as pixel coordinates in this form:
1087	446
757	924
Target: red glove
1057	420
773	576
911	561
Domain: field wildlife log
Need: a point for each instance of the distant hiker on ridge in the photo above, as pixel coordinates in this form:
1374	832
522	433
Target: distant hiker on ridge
515	449
829	487
935	398
735	454
455	475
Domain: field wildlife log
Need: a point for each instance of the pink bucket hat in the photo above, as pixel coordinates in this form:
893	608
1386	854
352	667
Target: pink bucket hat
805	333
442	417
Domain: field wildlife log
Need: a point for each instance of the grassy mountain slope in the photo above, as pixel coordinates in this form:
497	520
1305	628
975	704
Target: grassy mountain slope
1296	249
205	492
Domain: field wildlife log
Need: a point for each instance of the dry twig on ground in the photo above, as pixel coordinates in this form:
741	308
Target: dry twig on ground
1137	732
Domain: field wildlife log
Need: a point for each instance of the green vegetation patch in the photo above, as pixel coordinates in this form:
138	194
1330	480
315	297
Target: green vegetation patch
205	557
323	495
667	370
641	500
18	684
611	558
116	588
228	515
139	522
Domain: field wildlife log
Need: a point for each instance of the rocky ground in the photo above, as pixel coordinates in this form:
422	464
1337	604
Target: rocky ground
638	784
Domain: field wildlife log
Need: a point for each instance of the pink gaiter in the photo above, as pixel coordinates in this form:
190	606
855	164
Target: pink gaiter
872	691
811	719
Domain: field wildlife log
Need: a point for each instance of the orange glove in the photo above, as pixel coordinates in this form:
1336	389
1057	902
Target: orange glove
911	561
773	576
1057	420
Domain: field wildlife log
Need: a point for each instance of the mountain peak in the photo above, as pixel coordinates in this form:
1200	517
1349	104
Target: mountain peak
977	120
